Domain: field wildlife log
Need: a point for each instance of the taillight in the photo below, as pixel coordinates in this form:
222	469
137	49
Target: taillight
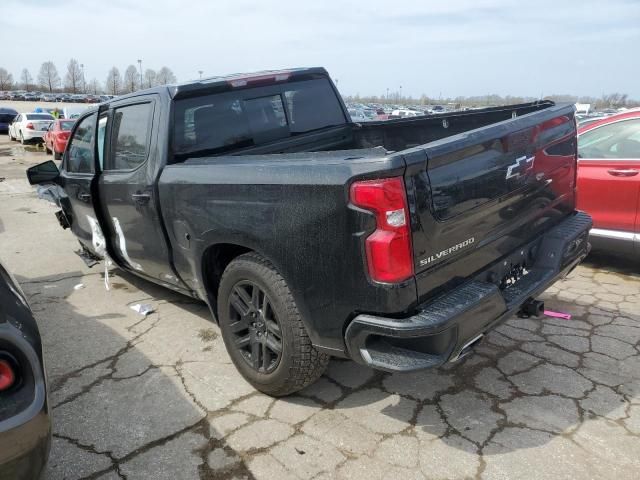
7	375
29	126
388	248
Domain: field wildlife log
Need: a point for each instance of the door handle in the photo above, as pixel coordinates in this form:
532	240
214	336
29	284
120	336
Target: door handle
85	197
141	198
631	172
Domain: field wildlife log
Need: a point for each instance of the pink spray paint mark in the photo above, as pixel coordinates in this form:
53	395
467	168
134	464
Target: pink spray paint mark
551	313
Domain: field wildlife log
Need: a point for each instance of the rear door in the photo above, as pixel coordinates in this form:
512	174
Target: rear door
480	195
127	188
609	176
76	177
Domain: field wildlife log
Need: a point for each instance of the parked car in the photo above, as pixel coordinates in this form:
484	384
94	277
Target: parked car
55	139
70	112
609	181
398	244
16	96
357	115
92	99
63	97
31	97
6	117
30	127
25	424
48	97
4	95
78	98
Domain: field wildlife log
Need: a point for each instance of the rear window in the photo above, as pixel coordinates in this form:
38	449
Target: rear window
38	116
68	125
222	122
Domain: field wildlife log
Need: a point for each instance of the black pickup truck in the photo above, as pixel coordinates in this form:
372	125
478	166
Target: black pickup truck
397	243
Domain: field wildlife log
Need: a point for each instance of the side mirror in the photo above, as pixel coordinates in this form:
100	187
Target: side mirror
46	172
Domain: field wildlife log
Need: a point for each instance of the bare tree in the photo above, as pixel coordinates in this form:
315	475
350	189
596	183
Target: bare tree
613	100
94	86
73	78
165	76
6	80
26	79
150	78
131	79
113	85
48	77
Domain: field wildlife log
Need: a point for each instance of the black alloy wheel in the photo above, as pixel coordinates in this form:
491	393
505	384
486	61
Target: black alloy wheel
255	327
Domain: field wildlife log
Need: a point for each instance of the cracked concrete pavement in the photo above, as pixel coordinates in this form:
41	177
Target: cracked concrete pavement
157	397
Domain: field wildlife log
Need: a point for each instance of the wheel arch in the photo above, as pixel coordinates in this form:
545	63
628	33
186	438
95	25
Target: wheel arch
215	259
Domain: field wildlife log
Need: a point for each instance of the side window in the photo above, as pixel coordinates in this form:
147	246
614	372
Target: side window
614	141
80	158
129	136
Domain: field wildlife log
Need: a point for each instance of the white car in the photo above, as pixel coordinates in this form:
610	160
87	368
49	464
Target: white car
30	127
404	113
357	115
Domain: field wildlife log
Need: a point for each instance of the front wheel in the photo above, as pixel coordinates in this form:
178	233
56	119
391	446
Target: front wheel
262	328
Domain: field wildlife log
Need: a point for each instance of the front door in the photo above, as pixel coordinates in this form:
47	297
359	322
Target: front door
609	175
76	177
127	192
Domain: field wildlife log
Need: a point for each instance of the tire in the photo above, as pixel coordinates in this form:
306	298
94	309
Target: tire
46	149
13	139
22	139
298	363
57	155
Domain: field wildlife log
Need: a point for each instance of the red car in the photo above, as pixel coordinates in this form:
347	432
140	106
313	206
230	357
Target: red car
609	181
55	139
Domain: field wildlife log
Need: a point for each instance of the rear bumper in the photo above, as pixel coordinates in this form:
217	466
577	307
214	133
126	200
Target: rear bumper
33	134
443	329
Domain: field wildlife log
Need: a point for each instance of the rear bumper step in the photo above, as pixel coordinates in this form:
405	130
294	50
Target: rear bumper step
446	328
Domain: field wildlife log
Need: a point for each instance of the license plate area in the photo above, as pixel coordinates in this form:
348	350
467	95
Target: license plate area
513	268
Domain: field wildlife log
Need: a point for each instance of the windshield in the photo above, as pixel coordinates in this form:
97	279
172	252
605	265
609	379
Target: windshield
243	118
39	116
66	125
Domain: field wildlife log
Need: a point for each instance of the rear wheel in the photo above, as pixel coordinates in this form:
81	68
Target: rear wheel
11	137
56	155
46	148
22	139
262	328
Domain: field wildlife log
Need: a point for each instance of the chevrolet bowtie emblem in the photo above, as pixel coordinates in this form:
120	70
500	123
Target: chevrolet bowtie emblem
522	165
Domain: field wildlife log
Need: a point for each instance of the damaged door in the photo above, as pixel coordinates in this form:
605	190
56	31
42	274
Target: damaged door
127	193
76	178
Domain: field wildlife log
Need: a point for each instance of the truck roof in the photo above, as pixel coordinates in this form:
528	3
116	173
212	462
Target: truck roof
228	82
239	80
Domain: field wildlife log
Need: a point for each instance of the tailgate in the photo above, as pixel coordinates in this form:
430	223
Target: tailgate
477	196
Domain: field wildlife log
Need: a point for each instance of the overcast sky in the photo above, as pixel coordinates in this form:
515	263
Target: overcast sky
451	47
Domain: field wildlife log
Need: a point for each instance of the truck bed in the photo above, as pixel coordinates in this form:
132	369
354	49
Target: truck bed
395	135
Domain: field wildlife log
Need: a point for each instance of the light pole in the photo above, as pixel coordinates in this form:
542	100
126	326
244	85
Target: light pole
140	66
84	85
387	95
200	72
401	93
